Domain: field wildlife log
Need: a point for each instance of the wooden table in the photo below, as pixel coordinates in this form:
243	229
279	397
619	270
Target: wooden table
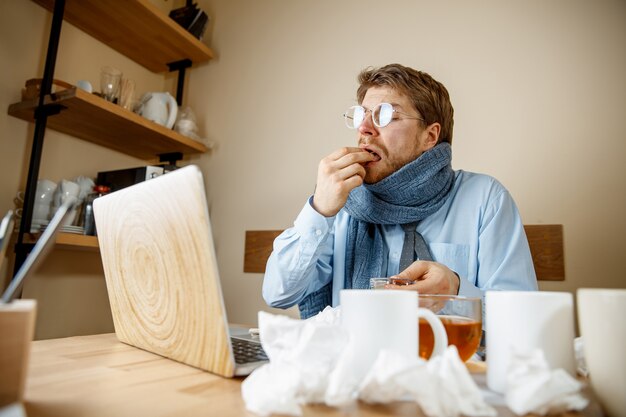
99	376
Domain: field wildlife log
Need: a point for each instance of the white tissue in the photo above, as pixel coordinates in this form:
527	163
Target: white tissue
302	354
533	388
442	386
309	364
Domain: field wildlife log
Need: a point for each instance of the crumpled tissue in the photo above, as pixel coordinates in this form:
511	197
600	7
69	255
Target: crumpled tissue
309	363
532	387
441	386
579	354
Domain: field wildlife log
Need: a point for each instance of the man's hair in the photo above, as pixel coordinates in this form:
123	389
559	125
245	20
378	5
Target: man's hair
429	97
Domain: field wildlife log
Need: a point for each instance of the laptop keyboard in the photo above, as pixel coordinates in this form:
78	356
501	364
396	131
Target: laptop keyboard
247	351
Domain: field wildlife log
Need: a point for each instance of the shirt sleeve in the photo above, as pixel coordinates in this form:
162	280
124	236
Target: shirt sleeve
504	258
301	260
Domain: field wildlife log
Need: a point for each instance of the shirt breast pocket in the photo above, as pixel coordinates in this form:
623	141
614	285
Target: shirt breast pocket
455	257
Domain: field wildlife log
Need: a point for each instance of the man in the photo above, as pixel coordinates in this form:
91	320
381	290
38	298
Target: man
393	206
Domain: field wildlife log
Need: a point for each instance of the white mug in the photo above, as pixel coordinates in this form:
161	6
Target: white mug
45	189
43	199
601	315
522	321
41	204
377	320
65	190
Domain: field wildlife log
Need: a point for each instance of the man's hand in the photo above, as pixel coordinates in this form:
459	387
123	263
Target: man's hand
428	278
337	175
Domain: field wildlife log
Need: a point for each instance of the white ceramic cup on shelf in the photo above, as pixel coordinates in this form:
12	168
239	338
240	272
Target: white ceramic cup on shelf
43	200
41	204
601	315
377	320
522	321
65	190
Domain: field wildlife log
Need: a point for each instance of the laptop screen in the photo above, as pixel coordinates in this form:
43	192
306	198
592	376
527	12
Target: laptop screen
39	252
6	227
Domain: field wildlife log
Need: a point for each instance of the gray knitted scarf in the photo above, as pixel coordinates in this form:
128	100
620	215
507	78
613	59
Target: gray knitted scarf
410	194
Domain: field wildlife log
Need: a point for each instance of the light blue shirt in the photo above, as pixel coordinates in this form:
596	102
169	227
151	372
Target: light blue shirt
478	233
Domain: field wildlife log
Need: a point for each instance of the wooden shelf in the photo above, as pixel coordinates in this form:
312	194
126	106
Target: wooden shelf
135	28
96	120
69	241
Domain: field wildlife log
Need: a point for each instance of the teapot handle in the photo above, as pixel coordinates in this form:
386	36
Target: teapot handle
173	105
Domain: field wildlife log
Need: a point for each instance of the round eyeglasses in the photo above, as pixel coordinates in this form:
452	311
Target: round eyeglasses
382	115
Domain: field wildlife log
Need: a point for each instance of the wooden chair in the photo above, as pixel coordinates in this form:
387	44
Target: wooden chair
545	241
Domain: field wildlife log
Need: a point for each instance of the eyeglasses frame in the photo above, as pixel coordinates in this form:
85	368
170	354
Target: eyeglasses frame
371	111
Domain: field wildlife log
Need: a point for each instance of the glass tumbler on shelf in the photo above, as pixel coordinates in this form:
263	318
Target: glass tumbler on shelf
89	221
127	94
110	79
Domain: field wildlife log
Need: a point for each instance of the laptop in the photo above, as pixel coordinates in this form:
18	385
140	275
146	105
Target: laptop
162	277
39	251
6	228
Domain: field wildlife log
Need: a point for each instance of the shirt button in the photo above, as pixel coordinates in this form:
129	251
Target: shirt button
395	255
318	232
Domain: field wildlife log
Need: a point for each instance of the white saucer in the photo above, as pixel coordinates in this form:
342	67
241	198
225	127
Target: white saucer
65	229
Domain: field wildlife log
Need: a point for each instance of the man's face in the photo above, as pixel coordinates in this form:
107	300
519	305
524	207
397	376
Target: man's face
398	143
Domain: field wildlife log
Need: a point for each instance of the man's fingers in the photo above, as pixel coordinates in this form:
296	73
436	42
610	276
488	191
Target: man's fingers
414	271
398	286
344	151
422	287
348	156
351	171
357	158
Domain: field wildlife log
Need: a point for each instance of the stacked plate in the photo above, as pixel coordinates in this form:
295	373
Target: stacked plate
79	230
36	226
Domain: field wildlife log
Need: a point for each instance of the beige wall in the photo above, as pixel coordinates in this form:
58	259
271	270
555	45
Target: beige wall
538	88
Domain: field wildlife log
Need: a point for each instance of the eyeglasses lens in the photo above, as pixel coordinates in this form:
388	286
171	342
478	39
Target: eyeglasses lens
382	114
354	117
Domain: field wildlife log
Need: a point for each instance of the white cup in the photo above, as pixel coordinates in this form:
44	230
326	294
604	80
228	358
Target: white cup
85	185
41	204
68	189
522	321
600	316
65	190
45	190
377	320
43	199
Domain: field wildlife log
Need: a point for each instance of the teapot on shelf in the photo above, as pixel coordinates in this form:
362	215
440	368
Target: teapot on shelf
161	108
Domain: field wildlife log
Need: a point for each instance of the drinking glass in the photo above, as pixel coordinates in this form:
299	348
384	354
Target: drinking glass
378	283
110	79
462	319
127	94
